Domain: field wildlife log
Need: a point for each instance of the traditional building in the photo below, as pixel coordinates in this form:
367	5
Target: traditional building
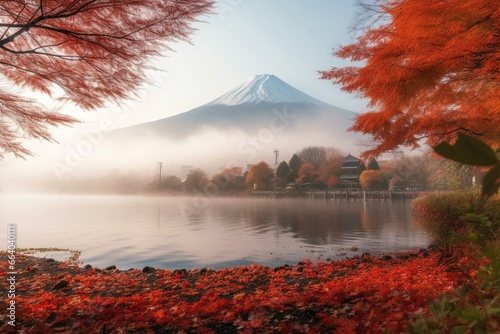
350	171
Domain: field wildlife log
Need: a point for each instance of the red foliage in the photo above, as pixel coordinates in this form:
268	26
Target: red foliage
429	68
90	51
307	173
260	174
350	296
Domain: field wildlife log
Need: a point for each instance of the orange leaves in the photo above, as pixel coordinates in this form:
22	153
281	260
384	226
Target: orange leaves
93	51
307	173
430	70
347	296
260	174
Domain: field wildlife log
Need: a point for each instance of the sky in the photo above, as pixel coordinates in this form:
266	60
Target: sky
292	39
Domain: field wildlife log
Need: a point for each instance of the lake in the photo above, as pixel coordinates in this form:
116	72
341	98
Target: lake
182	232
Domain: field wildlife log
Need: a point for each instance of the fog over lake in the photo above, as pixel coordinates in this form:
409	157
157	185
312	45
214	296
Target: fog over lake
188	232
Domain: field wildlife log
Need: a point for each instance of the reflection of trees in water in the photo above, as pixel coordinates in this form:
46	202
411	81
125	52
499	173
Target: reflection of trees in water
389	219
315	222
331	222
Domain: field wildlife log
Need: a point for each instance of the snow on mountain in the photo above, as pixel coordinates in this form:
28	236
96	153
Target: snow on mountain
261	102
244	125
264	88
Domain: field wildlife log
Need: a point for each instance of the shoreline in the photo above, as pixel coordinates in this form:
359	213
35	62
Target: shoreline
364	294
73	258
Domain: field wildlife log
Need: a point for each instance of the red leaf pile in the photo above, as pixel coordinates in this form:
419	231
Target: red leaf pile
351	296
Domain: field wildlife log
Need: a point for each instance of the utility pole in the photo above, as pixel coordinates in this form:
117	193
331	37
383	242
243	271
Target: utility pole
276	153
160	164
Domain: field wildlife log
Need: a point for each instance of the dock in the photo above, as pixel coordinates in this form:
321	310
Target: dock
340	194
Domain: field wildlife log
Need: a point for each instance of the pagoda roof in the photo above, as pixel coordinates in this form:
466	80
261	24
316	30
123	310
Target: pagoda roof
351	158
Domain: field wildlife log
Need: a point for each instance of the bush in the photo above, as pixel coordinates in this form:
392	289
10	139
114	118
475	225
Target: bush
492	209
475	306
441	213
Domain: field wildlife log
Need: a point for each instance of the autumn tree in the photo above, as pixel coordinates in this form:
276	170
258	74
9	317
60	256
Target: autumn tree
307	173
260	175
372	179
329	170
196	180
451	175
430	69
314	155
411	171
87	52
230	180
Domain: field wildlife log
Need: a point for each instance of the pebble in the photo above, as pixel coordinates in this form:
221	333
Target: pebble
148	270
60	285
180	271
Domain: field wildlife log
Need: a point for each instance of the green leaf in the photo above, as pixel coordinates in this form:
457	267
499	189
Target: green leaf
491	181
459	330
462	291
471	313
468	150
474	237
493	311
473	218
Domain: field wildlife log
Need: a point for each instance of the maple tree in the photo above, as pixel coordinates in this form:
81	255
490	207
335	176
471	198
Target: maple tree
430	69
372	179
307	173
329	170
231	180
260	174
87	52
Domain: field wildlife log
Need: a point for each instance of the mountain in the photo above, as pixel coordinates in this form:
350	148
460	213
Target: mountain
265	88
261	102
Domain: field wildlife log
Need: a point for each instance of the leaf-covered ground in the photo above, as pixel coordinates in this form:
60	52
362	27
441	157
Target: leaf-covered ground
358	295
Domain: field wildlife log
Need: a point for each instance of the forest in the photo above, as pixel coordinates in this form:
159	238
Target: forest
318	166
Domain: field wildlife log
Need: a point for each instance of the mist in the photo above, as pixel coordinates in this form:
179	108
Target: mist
91	159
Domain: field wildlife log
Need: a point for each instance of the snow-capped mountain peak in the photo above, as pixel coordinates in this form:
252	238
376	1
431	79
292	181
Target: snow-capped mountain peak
265	88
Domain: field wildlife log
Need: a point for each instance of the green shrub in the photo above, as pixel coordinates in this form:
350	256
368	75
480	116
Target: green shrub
441	213
492	209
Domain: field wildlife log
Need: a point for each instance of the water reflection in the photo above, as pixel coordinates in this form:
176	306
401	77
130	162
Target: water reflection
314	222
139	231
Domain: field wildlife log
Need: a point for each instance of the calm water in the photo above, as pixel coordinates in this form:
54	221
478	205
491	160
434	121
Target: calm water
187	233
